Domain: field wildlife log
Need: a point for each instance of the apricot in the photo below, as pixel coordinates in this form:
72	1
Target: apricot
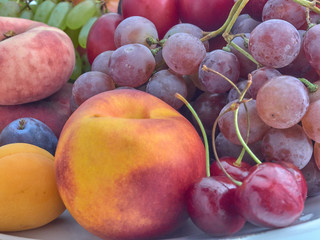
28	193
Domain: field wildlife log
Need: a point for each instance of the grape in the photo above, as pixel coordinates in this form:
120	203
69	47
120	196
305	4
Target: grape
27	13
257	127
233	93
310	121
226	63
187	28
9	9
245	25
59	14
287	10
101	62
314	96
246	65
275	43
83	35
134	29
208	106
80	14
281	145
226	148
300	65
282	101
90	84
43	11
131	65
259	77
311	46
311	174
164	84
183	53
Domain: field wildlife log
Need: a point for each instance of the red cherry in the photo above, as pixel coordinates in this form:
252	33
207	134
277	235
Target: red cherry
270	196
210	204
229	164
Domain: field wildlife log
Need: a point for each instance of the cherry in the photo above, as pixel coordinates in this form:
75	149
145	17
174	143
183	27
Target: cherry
298	176
237	171
270	196
210	204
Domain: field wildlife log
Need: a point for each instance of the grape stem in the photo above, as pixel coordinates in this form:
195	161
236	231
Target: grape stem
205	139
311	87
311	5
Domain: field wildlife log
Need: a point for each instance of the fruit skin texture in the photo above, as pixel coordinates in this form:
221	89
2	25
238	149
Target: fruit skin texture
123	163
35	63
28	192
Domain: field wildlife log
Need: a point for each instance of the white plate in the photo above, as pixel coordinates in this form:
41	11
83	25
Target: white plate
66	228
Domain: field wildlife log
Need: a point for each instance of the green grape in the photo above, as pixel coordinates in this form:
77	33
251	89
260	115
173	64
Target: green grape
73	34
27	13
59	14
80	14
83	35
77	70
43	11
9	9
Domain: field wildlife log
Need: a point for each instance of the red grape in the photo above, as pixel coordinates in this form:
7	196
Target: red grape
183	53
131	65
311	45
226	63
282	101
310	121
101	62
281	145
254	8
134	29
275	43
287	10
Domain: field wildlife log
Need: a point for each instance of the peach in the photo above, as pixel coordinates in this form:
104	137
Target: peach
124	161
53	111
36	60
28	192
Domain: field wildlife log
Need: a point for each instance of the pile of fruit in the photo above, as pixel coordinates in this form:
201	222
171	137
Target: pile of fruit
207	110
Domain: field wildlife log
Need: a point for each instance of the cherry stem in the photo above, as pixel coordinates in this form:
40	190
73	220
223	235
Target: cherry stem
205	139
254	157
311	87
238	183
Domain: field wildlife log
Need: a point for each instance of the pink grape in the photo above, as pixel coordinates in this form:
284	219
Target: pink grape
135	29
227	126
131	65
311	45
275	43
226	63
183	53
164	84
310	121
282	101
281	145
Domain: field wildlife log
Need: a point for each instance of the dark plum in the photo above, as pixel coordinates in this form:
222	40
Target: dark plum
29	130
